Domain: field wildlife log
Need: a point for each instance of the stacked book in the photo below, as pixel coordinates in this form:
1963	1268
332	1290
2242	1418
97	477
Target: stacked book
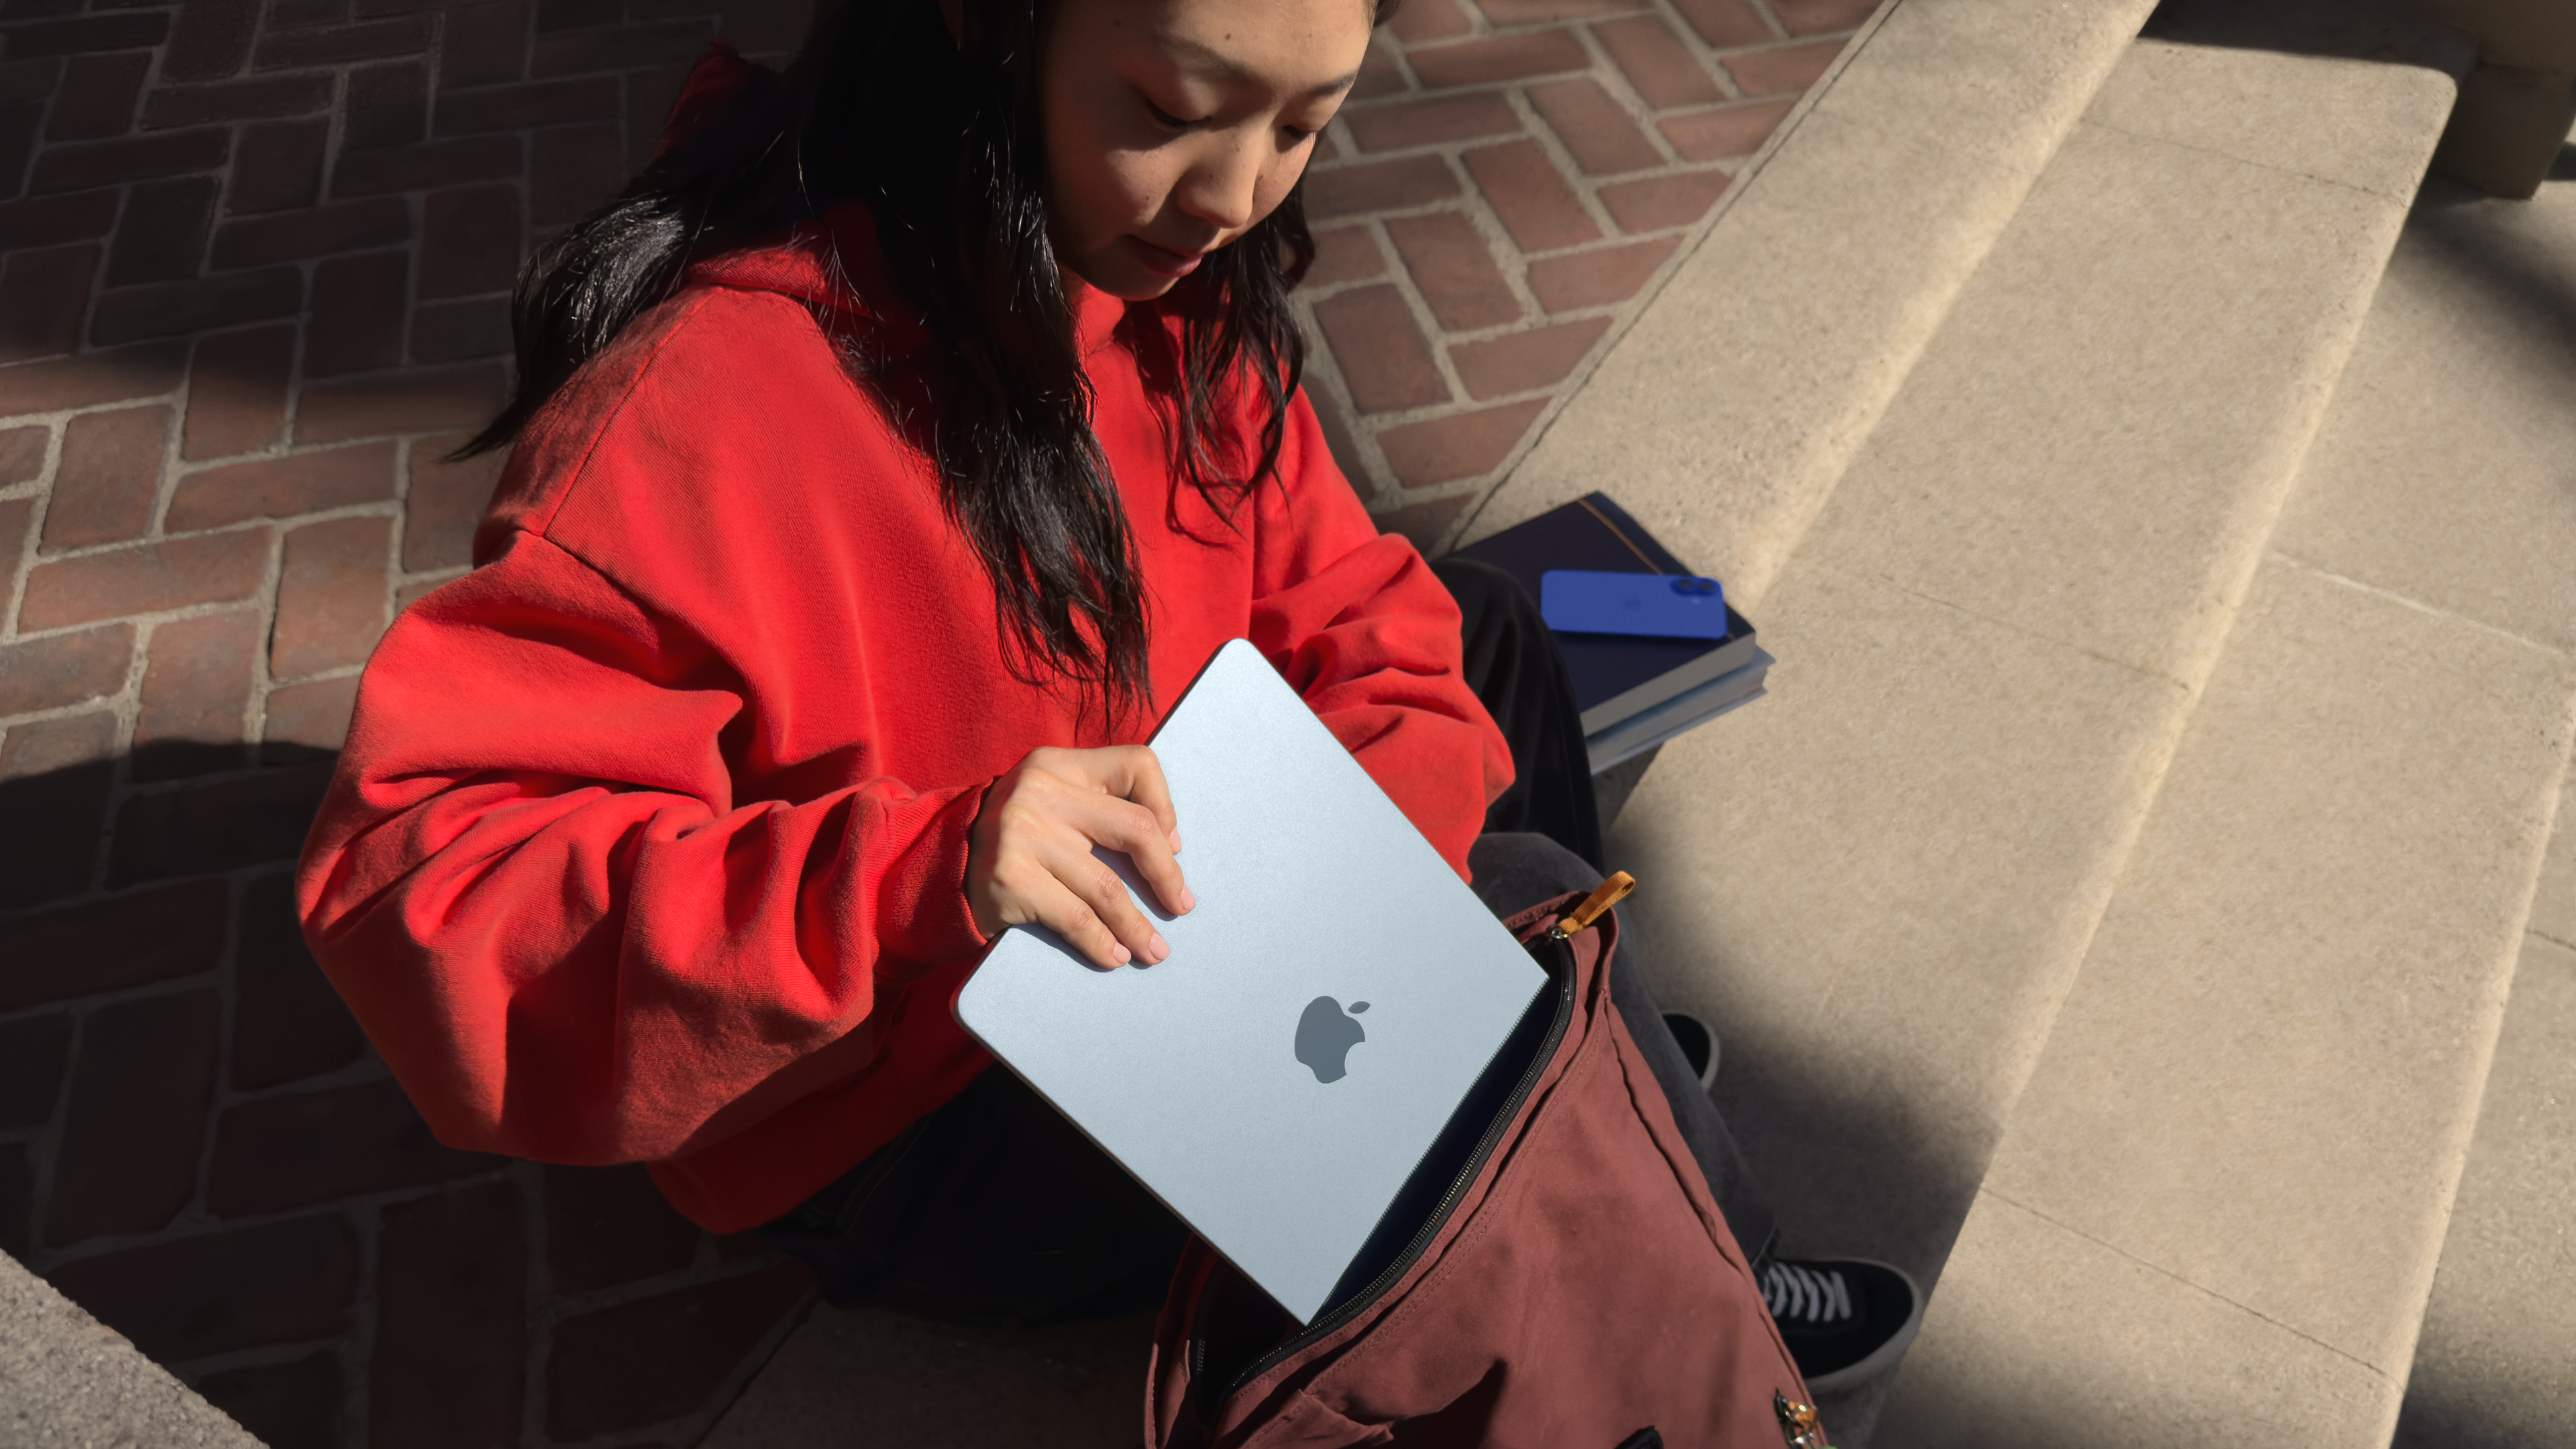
1635	692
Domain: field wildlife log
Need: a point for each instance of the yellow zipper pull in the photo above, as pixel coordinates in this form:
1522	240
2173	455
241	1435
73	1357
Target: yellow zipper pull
1612	892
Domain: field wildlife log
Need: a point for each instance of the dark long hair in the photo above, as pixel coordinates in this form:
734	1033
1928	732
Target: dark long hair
939	137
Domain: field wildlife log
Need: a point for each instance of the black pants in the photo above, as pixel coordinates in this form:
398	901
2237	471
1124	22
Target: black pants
994	1210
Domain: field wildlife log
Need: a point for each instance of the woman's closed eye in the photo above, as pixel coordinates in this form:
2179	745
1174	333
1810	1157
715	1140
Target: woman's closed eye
1166	119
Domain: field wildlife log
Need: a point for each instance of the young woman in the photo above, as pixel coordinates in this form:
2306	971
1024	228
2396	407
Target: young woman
885	462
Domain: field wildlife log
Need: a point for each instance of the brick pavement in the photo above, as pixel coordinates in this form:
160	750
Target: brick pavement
256	262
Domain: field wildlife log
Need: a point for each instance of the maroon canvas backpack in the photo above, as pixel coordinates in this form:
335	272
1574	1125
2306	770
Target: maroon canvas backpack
1570	1283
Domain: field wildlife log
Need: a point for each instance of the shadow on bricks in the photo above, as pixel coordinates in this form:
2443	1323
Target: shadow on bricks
198	1145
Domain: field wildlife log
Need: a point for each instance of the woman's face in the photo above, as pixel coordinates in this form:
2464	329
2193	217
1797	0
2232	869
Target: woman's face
1174	125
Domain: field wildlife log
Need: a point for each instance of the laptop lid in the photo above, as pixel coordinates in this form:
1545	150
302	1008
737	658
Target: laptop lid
1323	1010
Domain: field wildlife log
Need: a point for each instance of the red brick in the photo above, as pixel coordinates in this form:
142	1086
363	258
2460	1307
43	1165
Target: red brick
555	15
345	226
280	167
1498	58
1725	24
1822	17
1664	201
1454	271
1345	254
302	721
1533	201
237	392
87	34
91	378
571	170
417	400
1785	72
451	1345
1400	124
1378	186
22	457
52	220
98	94
429	164
44	295
243	100
286	1282
33	1054
134	158
1419	20
292	14
1725	132
196	695
146	578
358	305
109	475
126	940
469	241
607	1226
342	44
387	105
307	1147
211	40
200	304
292	1405
162	236
330	596
484	45
56	771
1380	75
135	1124
19	121
1524	361
283	487
1383	355
1428	523
16	516
446	499
218	825
461	331
1462	446
620	47
410	594
53	670
662	1357
1541	12
1656	62
288	1024
1603	140
527	106
1595	278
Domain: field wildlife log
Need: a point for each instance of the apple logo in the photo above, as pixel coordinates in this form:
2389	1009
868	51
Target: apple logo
1325	1037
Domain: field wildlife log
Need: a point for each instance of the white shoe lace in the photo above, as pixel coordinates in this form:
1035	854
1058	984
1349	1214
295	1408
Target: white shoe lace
1790	1290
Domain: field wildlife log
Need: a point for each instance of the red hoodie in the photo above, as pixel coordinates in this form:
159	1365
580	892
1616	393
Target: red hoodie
649	841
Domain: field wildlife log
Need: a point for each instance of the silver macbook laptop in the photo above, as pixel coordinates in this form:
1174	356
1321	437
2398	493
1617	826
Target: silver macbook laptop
1324	1009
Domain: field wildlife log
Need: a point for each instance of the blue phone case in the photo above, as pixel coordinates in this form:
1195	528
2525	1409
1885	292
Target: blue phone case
1661	606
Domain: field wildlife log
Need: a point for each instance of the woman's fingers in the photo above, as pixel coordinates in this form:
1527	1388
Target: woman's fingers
1106	901
1057	908
1127	826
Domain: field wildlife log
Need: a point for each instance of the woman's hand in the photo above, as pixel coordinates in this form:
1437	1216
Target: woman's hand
1029	860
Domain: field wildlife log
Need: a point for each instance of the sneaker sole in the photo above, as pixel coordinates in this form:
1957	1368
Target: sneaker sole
1887	1354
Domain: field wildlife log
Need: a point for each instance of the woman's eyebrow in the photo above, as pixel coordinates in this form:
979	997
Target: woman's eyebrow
1217	65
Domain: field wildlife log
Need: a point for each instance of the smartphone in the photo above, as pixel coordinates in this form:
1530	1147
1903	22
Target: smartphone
1662	606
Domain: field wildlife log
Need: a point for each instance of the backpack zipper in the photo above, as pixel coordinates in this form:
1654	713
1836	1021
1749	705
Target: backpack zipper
1475	1164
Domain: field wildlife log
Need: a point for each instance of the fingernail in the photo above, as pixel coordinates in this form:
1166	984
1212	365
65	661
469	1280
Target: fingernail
1159	947
1121	953
1176	842
1189	902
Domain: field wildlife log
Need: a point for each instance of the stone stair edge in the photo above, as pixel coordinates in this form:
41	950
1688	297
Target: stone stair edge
1724	415
66	1378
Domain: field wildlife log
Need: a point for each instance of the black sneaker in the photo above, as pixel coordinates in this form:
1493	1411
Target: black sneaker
1698	1043
1846	1320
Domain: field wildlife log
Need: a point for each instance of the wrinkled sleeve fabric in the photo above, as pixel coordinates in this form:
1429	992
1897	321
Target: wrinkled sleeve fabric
1357	623
532	883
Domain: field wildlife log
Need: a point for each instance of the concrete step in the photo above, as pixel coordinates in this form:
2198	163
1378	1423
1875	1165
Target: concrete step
1883	882
2217	1209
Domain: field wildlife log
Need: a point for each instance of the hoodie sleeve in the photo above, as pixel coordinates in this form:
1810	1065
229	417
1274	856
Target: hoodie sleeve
1356	622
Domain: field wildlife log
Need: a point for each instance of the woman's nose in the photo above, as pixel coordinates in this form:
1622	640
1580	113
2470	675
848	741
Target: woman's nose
1220	188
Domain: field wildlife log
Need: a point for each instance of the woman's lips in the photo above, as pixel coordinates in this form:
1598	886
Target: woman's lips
1163	261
